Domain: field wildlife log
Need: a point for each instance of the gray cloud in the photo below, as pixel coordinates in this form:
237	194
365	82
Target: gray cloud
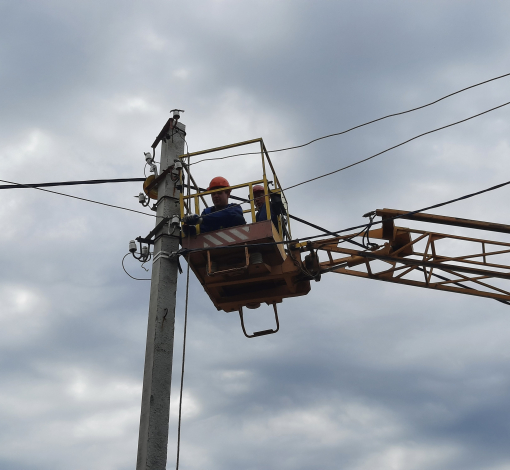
362	374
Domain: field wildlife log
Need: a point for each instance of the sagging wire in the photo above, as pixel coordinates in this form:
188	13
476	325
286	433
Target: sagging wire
76	197
70	183
407	214
398	145
380	153
142	199
360	125
132	277
363	226
184	337
182	371
144	255
279	150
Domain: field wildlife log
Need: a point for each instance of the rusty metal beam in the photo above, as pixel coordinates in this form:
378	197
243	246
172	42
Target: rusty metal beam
439	287
440	219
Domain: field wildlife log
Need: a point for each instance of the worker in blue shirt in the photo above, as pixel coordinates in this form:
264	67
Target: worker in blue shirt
221	215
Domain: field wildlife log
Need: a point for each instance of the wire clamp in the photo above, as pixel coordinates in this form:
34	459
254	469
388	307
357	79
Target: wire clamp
167	255
162	254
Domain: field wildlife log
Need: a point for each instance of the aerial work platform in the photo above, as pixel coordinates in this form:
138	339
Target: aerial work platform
242	266
245	265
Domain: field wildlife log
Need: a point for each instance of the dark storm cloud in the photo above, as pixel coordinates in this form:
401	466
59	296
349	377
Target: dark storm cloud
361	375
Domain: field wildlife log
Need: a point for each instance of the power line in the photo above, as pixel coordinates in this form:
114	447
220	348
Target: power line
132	277
182	371
69	183
337	232
398	145
80	198
435	206
377	154
13	185
360	125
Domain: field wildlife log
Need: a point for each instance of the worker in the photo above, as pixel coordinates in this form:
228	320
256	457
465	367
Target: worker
259	199
260	202
222	215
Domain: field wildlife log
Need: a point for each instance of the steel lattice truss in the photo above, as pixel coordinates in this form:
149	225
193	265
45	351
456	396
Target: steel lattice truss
421	258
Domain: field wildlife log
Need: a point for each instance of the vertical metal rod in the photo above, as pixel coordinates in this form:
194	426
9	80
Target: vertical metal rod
252	203
266	186
155	413
197	211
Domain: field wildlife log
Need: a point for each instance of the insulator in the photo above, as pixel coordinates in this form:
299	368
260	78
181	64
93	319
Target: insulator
154	168
175	221
132	246
141	198
145	251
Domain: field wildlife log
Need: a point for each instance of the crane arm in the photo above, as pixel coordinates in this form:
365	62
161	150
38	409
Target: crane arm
421	258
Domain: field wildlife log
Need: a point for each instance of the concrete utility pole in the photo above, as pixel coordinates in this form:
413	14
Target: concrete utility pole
153	434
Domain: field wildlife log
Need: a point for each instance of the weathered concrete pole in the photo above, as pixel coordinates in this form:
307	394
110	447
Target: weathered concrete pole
153	434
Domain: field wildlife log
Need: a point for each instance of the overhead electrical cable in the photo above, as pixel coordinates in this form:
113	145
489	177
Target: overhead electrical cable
398	145
359	125
80	198
12	185
188	187
337	232
132	277
69	183
379	153
182	371
411	213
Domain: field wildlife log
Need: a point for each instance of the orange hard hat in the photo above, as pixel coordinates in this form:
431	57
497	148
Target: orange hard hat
258	189
218	182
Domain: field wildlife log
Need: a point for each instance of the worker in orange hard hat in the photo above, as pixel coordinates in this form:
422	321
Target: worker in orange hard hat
222	215
258	198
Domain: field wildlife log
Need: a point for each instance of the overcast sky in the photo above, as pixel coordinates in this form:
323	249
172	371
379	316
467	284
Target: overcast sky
363	375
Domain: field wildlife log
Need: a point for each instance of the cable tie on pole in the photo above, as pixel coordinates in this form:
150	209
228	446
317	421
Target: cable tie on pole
166	254
162	254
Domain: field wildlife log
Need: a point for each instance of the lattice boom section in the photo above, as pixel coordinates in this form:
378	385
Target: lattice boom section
425	259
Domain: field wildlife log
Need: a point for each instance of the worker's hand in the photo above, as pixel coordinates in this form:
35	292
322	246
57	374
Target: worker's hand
192	219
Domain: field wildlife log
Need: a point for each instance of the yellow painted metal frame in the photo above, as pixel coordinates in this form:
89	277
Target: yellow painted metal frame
185	200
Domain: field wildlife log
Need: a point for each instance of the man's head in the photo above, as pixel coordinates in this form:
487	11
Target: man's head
258	195
219	198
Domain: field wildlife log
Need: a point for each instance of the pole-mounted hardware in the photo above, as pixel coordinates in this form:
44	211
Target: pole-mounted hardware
175	224
176	114
144	253
149	159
